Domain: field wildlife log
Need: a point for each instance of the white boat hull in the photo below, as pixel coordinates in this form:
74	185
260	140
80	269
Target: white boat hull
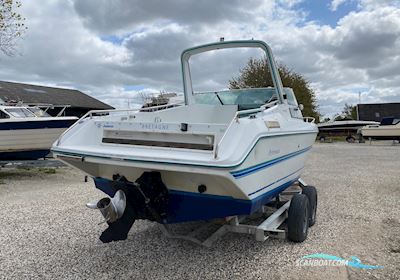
273	164
390	132
30	139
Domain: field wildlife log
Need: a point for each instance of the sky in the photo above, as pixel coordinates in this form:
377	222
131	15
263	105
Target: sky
114	50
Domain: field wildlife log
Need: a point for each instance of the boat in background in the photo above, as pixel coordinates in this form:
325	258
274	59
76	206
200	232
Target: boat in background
388	129
163	101
27	132
347	128
222	153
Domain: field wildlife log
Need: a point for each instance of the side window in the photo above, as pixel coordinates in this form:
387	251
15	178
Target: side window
3	115
290	97
292	102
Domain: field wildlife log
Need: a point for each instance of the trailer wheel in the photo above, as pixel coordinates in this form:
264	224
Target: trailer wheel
322	138
298	218
311	193
350	139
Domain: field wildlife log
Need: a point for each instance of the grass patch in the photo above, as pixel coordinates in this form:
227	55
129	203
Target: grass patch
24	167
338	138
47	170
6	174
330	139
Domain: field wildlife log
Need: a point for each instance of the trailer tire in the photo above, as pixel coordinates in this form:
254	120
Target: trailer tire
298	218
350	139
311	193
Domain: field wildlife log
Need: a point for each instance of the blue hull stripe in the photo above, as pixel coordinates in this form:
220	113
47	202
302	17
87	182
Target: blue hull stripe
37	124
266	197
255	168
277	181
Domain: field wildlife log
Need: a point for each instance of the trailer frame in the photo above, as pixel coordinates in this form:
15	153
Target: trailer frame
269	227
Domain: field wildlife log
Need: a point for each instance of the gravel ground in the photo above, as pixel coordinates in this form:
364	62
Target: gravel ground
46	232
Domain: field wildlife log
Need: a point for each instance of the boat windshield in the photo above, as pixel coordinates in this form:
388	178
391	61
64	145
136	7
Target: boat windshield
233	76
20	113
247	98
38	112
390	121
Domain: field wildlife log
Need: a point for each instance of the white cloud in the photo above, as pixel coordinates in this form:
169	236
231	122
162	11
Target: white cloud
372	4
335	4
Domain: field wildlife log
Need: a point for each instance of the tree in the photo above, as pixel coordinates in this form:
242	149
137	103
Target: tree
256	74
349	111
12	26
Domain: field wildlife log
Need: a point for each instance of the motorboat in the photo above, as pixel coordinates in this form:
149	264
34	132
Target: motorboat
388	129
220	154
347	128
168	99
27	132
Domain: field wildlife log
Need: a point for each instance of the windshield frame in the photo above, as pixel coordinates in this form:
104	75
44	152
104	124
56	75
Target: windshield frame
38	112
187	54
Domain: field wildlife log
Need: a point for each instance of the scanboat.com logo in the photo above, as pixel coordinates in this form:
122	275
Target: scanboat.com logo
330	260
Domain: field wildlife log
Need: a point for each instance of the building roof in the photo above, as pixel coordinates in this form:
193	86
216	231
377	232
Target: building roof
48	95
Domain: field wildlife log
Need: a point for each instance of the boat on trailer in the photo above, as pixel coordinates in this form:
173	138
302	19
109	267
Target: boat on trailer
388	129
347	128
221	154
27	132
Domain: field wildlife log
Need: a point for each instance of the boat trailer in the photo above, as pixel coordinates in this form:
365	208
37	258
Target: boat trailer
272	226
288	216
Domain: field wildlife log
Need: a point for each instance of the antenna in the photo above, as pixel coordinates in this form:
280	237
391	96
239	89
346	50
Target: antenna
359	102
